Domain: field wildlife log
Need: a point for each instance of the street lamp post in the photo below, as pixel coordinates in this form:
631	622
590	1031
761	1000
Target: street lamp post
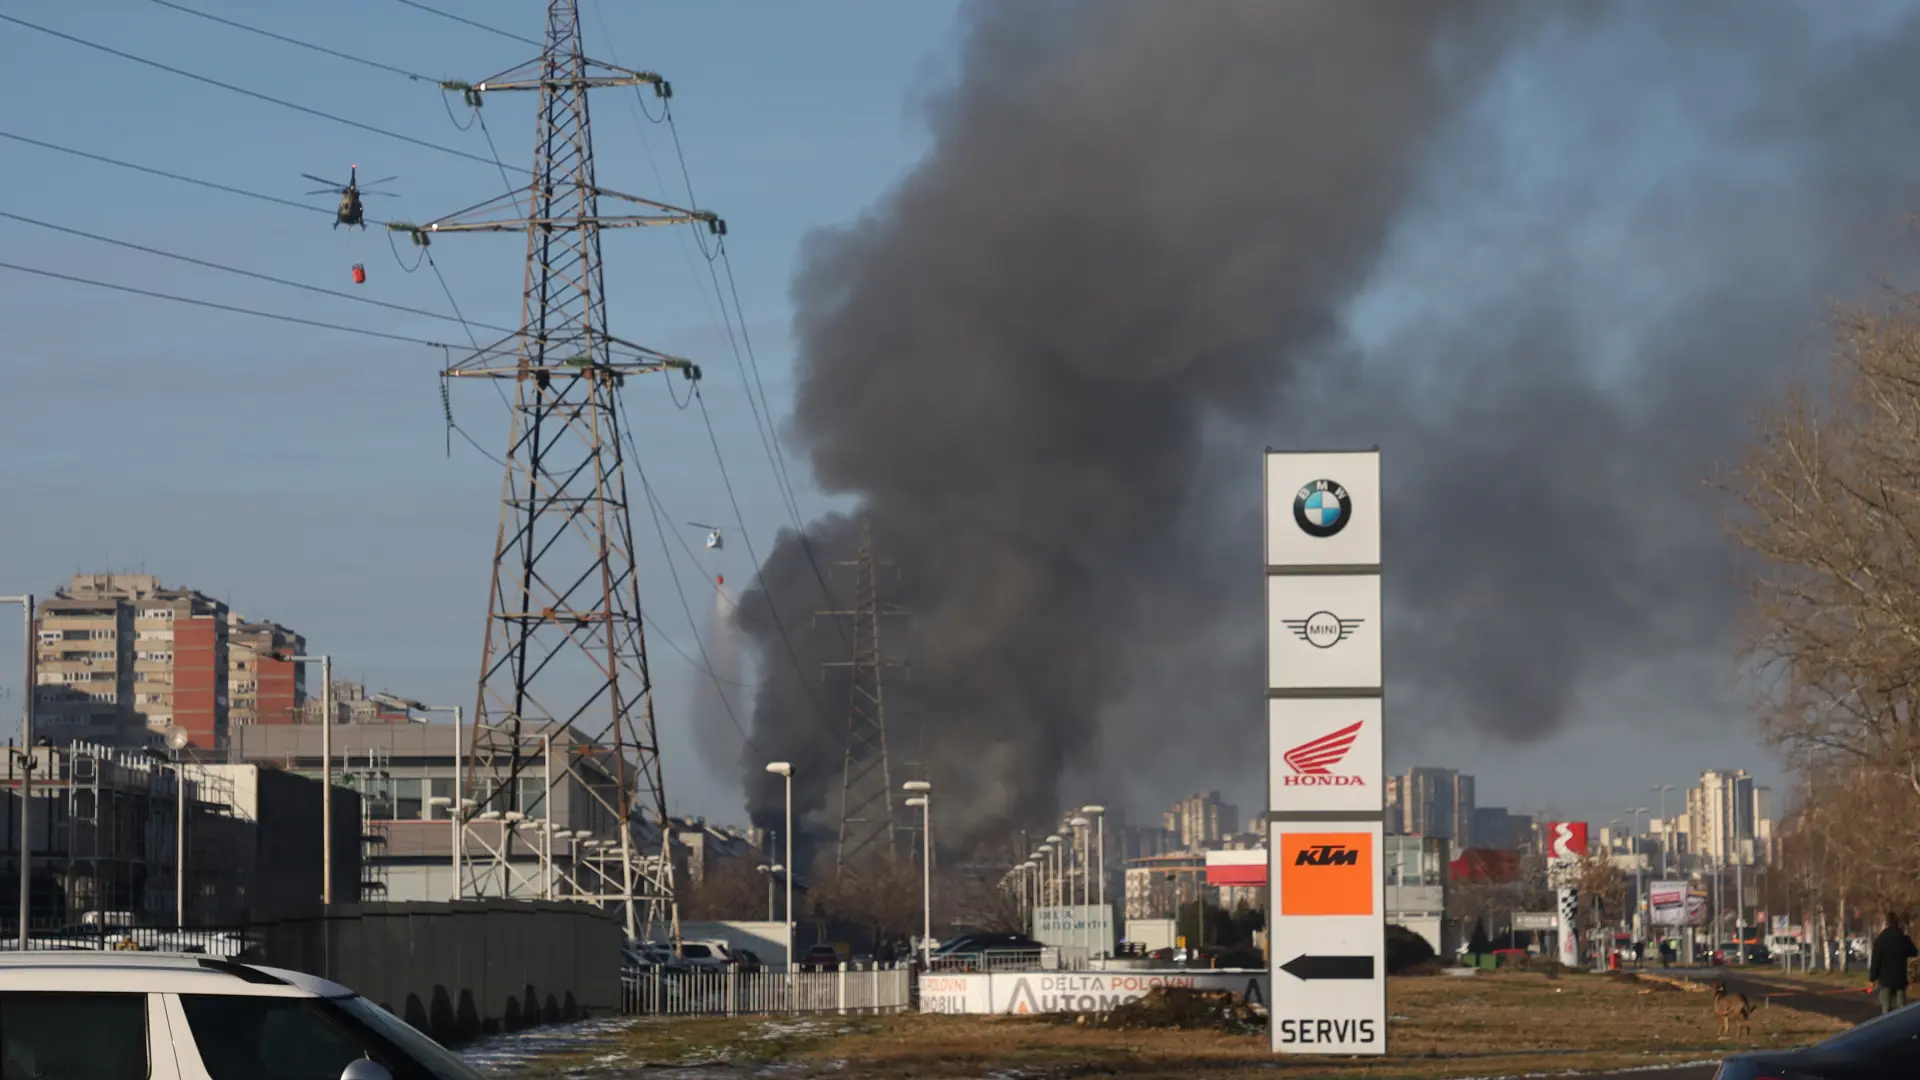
784	769
1666	826
1641	910
454	807
326	769
770	871
1057	844
29	691
1079	825
1099	815
923	798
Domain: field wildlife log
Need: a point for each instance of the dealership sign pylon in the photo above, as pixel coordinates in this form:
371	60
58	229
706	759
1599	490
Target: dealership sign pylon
1325	765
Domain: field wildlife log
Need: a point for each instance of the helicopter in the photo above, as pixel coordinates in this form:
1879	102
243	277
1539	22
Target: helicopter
714	540
351	213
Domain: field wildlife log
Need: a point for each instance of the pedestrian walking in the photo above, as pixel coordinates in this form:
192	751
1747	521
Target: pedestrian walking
1887	966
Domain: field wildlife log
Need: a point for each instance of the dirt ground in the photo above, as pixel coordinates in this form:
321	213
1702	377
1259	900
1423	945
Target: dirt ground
1439	1027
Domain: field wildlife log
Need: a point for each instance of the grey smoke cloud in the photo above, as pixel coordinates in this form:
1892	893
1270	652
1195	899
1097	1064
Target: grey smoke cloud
1130	224
1548	260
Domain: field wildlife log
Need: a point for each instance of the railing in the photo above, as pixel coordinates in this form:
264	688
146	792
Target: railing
1043	959
210	942
731	992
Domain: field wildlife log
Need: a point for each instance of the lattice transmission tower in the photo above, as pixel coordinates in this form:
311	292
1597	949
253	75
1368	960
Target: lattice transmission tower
868	825
564	690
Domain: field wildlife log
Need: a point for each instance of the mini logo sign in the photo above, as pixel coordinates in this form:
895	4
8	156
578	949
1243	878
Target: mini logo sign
1322	629
1322	508
1312	762
1326	873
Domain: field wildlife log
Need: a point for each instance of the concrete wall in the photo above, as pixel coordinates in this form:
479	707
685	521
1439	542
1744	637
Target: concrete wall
459	971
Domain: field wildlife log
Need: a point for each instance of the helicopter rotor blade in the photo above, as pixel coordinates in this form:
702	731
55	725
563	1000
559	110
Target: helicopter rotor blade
388	194
371	183
335	185
325	191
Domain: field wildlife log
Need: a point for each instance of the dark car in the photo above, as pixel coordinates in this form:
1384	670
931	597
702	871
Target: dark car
987	951
746	960
821	958
1884	1048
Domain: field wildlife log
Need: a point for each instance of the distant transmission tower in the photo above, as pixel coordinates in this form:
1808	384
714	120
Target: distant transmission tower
868	826
564	686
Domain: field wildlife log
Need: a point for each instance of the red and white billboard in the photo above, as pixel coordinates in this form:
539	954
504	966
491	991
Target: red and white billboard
1237	868
1566	840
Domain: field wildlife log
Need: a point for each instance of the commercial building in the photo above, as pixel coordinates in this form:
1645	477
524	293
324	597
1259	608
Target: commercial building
109	835
1437	802
407	774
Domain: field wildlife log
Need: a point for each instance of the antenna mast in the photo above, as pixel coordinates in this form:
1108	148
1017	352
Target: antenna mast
564	666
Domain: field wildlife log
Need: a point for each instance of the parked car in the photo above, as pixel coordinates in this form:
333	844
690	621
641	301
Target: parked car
1884	1048
747	960
984	951
706	955
130	1015
820	958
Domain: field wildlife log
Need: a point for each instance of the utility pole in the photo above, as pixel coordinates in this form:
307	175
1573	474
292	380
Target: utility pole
867	822
565	649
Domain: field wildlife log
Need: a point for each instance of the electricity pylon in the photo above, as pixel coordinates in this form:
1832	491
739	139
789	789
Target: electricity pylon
867	822
565	659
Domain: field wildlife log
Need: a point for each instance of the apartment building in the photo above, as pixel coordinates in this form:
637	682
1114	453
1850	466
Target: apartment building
1437	802
1202	821
262	689
1729	819
123	660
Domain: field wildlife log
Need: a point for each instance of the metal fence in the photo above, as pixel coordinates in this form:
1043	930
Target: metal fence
1049	958
731	992
210	942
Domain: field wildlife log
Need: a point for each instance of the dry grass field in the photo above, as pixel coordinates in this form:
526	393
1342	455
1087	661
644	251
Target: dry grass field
1440	1027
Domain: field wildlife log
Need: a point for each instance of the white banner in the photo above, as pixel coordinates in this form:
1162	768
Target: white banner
1079	926
1027	992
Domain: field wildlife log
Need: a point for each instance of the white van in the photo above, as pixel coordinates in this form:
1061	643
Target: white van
157	1016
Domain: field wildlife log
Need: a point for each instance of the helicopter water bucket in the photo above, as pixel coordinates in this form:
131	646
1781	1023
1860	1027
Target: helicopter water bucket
359	274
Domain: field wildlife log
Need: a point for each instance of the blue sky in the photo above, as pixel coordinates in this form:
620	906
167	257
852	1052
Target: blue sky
302	474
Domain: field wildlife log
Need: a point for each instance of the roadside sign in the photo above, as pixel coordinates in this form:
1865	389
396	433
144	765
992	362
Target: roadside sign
1328	942
1326	939
1326	754
1536	921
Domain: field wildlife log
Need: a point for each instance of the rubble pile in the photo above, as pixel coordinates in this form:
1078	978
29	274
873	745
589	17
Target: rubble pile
1184	1008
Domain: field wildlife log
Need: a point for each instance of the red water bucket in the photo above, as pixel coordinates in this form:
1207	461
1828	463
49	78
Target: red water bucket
359	274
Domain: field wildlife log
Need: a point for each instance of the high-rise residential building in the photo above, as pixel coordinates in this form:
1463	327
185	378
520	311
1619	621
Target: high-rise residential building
163	651
1202	821
1461	827
262	686
1396	815
1729	819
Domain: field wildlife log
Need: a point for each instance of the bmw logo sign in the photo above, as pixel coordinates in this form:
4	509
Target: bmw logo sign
1322	508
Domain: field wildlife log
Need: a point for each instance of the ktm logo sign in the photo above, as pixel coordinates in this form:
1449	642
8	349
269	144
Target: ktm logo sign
1327	873
1328	855
1312	762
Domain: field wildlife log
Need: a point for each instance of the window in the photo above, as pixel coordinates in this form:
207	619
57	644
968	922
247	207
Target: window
406	800
46	1036
533	796
440	787
246	1038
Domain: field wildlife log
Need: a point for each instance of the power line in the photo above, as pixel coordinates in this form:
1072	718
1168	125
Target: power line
475	25
294	319
257	276
375	64
151	171
255	94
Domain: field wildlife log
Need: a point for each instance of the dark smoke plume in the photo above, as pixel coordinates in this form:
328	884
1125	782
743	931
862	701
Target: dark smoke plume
1136	217
1550	267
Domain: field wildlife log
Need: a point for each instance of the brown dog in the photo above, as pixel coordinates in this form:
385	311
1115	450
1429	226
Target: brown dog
1733	1010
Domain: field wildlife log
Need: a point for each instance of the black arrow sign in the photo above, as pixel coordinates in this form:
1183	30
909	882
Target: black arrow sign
1329	967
